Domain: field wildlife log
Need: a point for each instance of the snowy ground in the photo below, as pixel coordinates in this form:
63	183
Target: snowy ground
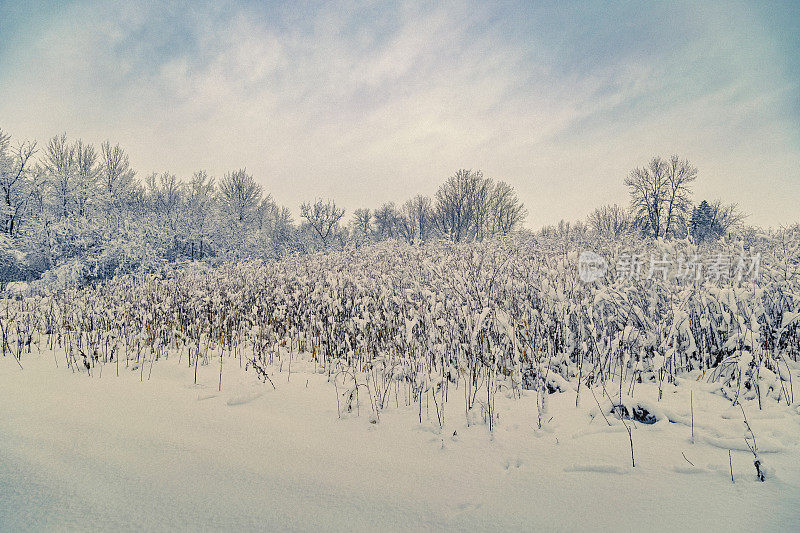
113	453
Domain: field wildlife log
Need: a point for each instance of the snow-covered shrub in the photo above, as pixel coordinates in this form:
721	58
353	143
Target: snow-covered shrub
510	314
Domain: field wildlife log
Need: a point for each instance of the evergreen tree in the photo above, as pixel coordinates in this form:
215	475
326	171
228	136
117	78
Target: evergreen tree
702	223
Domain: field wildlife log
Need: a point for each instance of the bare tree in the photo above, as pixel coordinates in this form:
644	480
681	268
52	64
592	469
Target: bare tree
283	227
87	172
323	217
506	213
265	214
456	212
165	192
59	165
362	225
469	206
272	229
421	209
200	212
18	180
239	199
609	221
482	197
386	219
726	216
785	252
239	195
116	176
680	175
661	195
416	222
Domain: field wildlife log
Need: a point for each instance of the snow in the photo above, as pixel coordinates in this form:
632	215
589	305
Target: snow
17	288
108	452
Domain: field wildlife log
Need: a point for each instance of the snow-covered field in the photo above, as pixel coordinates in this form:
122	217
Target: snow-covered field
482	387
107	452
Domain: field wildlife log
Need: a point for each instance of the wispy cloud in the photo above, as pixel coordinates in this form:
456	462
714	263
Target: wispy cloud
369	104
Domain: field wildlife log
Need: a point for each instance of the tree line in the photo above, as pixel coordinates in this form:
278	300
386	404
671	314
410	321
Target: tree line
80	212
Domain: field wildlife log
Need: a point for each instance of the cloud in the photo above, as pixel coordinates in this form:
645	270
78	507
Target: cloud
368	104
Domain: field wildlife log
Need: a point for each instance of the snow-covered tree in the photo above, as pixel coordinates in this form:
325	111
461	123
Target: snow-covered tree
714	220
87	172
200	213
323	219
117	179
661	195
239	199
471	207
18	181
417	223
456	205
609	221
386	219
60	172
362	230
506	211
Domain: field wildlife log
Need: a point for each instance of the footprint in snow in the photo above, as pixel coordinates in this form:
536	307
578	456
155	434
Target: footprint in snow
466	506
603	469
246	397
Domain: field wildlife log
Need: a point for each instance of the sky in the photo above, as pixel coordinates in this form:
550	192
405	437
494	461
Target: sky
368	102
